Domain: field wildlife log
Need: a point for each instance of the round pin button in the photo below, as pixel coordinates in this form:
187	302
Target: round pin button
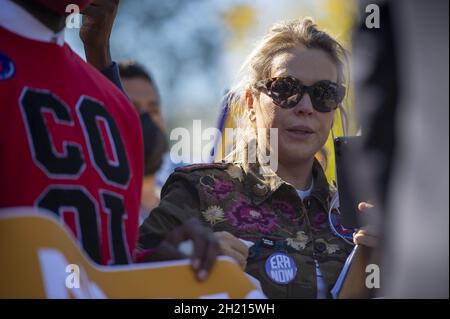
319	247
281	268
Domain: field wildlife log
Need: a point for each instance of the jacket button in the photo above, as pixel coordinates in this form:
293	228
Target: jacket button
260	190
319	247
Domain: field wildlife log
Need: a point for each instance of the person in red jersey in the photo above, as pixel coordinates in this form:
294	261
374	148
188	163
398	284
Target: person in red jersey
70	141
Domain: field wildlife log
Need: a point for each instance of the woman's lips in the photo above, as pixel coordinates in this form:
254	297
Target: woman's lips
300	132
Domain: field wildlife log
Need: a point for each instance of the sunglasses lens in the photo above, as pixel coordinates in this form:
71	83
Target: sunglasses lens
326	96
284	93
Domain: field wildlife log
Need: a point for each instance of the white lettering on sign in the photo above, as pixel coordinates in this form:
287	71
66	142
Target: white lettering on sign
55	278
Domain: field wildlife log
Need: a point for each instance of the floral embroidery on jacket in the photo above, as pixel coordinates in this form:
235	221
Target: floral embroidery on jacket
320	221
299	241
218	189
248	217
213	214
285	208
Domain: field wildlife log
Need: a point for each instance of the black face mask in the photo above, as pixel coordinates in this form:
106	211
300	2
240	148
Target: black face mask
155	144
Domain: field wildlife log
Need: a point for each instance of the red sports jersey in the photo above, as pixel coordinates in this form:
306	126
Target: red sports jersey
71	143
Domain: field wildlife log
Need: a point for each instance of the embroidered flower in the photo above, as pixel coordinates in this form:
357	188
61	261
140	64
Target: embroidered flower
320	221
329	248
248	217
213	214
332	248
254	214
218	189
235	172
284	208
222	189
299	241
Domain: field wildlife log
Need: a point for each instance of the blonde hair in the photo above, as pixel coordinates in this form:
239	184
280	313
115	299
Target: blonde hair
282	37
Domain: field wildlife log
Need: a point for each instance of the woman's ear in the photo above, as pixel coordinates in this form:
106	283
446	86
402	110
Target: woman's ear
250	106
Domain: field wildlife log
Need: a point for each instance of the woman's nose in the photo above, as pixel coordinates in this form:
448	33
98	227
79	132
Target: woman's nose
304	105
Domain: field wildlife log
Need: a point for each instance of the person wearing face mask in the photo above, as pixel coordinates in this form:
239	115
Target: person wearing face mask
77	150
143	93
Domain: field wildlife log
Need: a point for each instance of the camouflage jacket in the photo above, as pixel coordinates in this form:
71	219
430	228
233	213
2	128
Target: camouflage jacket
262	209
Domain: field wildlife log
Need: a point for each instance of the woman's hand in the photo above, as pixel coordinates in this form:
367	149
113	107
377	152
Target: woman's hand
367	235
233	247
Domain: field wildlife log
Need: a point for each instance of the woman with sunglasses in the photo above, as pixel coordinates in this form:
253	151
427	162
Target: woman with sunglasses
292	82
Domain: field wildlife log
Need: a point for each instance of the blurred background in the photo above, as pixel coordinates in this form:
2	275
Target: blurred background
194	48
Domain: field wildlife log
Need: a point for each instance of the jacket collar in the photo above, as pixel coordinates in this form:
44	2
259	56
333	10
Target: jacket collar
260	182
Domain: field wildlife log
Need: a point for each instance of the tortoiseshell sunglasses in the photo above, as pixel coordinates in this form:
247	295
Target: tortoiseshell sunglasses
287	91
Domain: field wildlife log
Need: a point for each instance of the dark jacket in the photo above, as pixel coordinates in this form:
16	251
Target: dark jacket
259	208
